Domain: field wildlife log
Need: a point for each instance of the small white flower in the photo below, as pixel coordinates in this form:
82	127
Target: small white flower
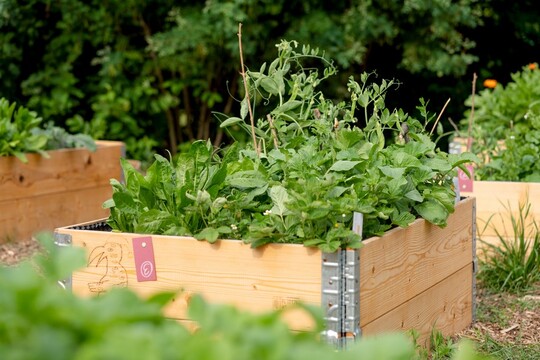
234	227
343	215
267	212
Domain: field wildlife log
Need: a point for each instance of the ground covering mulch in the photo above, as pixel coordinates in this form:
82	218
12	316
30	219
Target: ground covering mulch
505	318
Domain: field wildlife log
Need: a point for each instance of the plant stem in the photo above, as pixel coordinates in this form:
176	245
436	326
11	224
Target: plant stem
247	90
471	118
439	117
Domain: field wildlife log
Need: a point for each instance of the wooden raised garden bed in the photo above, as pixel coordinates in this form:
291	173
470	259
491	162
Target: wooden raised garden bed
497	201
421	277
46	193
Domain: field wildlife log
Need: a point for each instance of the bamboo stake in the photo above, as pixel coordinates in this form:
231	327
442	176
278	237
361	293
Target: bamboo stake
247	90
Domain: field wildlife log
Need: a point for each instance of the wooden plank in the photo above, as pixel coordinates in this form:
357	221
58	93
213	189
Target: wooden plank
228	272
446	306
46	193
405	262
496	201
20	219
64	170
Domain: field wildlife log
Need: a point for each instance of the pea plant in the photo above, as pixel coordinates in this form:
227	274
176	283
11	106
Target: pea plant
312	164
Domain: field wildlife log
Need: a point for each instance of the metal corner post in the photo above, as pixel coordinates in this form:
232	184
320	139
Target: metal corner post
341	297
351	297
63	240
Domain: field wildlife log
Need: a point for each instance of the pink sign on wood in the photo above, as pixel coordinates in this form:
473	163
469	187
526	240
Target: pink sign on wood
145	265
466	183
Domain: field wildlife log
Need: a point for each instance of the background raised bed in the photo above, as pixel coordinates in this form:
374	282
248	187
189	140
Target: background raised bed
46	193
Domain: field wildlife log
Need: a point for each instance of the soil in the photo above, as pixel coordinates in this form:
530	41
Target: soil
506	318
13	252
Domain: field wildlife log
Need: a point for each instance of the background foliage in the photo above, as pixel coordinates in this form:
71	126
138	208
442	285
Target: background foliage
152	73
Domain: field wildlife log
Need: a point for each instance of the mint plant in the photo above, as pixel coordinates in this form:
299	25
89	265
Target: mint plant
312	165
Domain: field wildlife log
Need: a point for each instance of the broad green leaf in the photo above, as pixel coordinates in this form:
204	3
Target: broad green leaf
269	85
336	191
403	219
154	222
279	197
433	211
343	165
392	171
438	164
209	234
313	242
246	182
395	186
107	204
414	195
289	105
402	159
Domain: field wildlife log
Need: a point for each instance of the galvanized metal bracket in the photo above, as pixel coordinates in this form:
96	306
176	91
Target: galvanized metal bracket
331	298
341	297
351	297
63	240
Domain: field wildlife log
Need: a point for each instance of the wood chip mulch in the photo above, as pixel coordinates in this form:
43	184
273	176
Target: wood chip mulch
520	314
12	252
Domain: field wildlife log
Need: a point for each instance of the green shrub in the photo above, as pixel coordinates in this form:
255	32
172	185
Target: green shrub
506	129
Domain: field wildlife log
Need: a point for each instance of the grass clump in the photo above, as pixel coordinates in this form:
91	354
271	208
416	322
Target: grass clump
513	264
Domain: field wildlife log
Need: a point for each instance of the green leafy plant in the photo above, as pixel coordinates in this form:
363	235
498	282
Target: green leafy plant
59	138
513	265
20	133
506	129
308	169
16	126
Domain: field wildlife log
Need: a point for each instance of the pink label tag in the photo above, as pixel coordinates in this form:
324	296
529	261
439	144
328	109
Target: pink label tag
145	266
466	183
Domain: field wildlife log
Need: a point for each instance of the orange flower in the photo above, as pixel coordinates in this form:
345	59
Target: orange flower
490	83
532	66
